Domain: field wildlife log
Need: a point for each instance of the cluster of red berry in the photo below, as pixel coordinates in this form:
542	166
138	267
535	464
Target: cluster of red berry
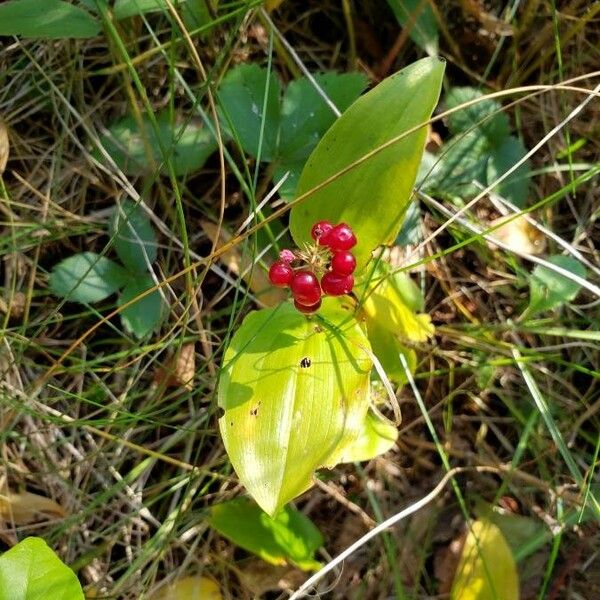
330	258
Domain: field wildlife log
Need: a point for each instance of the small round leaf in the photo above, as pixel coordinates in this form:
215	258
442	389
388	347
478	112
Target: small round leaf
86	278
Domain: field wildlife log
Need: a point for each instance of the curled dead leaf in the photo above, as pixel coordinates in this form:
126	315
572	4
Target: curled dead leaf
256	278
519	235
15	305
180	369
25	508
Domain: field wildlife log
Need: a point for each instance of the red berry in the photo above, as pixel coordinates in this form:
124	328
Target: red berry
337	285
287	256
320	229
281	274
339	238
343	263
306	289
307	309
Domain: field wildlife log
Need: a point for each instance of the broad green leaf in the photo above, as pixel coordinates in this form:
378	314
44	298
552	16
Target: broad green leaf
387	348
91	4
481	152
485	115
46	19
305	116
502	157
87	278
288	189
285	417
145	315
195	14
371	196
31	571
241	101
417	15
463	160
389	306
288	537
487	569
135	150
133	236
549	289
189	588
376	437
410	232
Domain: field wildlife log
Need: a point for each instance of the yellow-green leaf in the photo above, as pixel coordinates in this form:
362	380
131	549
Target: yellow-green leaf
372	196
293	389
392	323
31	571
376	437
487	569
189	588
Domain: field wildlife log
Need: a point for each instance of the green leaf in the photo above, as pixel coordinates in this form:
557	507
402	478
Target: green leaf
138	150
305	116
91	5
410	232
371	196
548	289
389	307
463	160
375	438
195	14
387	347
287	191
145	315
133	236
284	417
188	588
417	15
487	569
31	571
86	278
485	115
481	152
502	157
47	19
241	101
289	537
129	8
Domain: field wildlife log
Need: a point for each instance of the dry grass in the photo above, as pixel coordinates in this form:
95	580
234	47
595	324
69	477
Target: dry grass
134	464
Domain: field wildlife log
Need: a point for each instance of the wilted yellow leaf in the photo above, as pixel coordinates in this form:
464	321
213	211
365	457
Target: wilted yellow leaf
4	147
256	278
25	508
189	588
487	569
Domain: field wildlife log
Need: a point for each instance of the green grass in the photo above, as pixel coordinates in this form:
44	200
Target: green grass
87	418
